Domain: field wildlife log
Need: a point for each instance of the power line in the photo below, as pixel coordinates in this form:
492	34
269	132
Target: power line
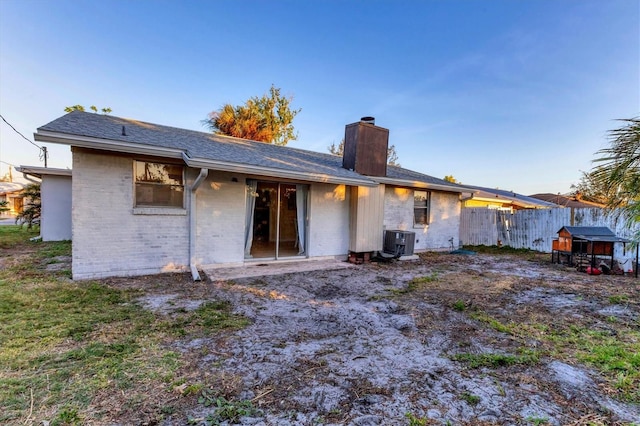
43	149
23	136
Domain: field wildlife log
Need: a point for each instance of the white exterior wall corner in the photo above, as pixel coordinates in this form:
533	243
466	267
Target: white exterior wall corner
108	239
444	218
56	208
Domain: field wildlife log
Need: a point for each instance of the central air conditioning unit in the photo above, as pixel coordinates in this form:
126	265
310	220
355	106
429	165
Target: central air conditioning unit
399	243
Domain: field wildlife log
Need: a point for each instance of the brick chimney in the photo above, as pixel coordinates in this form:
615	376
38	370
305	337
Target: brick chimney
365	148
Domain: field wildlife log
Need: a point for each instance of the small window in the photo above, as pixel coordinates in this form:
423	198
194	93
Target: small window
159	185
421	201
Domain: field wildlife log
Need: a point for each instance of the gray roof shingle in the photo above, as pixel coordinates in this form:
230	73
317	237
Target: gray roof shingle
209	146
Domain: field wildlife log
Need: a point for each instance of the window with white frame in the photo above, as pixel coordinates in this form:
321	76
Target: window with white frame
421	202
158	185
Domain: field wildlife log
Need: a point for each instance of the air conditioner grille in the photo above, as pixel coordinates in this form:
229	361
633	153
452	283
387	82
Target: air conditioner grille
399	243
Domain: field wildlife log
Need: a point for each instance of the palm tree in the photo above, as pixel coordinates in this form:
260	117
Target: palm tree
618	171
265	119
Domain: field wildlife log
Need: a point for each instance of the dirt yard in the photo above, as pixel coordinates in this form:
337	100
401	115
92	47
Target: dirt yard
447	339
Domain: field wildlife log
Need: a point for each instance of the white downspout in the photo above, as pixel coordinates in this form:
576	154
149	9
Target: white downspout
192	223
30	179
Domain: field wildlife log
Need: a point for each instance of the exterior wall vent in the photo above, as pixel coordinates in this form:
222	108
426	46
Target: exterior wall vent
399	243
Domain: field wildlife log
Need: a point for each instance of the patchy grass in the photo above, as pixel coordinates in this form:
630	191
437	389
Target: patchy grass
502	250
415	284
223	410
493	360
470	398
509	327
614	352
416	420
616	355
459	306
12	236
536	421
63	344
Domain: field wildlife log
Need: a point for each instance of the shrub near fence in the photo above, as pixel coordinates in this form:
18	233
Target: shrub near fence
535	229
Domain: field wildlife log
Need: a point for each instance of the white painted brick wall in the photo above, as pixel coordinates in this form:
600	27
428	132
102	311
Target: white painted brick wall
220	219
56	208
108	239
444	218
329	220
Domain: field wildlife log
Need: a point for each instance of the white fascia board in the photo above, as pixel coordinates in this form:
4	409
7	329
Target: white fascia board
106	144
488	199
421	185
37	171
272	172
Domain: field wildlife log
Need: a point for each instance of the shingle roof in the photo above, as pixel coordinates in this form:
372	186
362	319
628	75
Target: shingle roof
565	201
406	174
514	197
208	146
593	233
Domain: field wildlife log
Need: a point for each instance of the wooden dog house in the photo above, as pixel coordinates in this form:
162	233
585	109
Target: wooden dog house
585	243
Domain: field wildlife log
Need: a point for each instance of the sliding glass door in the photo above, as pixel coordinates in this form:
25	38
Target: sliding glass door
275	220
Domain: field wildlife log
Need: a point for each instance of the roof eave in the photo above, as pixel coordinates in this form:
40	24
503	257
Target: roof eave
136	148
488	199
273	172
420	184
105	144
38	172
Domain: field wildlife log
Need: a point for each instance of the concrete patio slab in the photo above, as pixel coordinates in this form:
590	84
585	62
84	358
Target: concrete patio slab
258	269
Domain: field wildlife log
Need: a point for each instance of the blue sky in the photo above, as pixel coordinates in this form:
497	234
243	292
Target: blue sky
511	94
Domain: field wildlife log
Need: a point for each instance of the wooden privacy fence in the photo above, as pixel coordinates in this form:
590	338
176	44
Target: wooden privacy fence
532	229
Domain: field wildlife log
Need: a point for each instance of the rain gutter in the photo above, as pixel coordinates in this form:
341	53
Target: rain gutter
420	184
273	172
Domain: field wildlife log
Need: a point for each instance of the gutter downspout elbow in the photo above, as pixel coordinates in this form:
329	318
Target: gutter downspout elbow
30	179
192	223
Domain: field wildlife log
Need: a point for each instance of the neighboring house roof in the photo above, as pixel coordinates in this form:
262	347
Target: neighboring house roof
38	172
564	201
10	187
508	197
218	152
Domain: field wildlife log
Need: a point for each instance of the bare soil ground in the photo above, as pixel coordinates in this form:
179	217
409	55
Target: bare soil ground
370	345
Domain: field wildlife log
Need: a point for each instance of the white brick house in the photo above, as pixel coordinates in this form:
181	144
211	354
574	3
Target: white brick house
148	198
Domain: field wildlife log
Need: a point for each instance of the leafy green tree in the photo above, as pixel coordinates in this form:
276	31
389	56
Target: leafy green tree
617	170
590	189
268	118
392	155
81	108
30	214
450	178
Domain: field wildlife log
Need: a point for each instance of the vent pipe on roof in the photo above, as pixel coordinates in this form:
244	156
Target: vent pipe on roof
124	132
